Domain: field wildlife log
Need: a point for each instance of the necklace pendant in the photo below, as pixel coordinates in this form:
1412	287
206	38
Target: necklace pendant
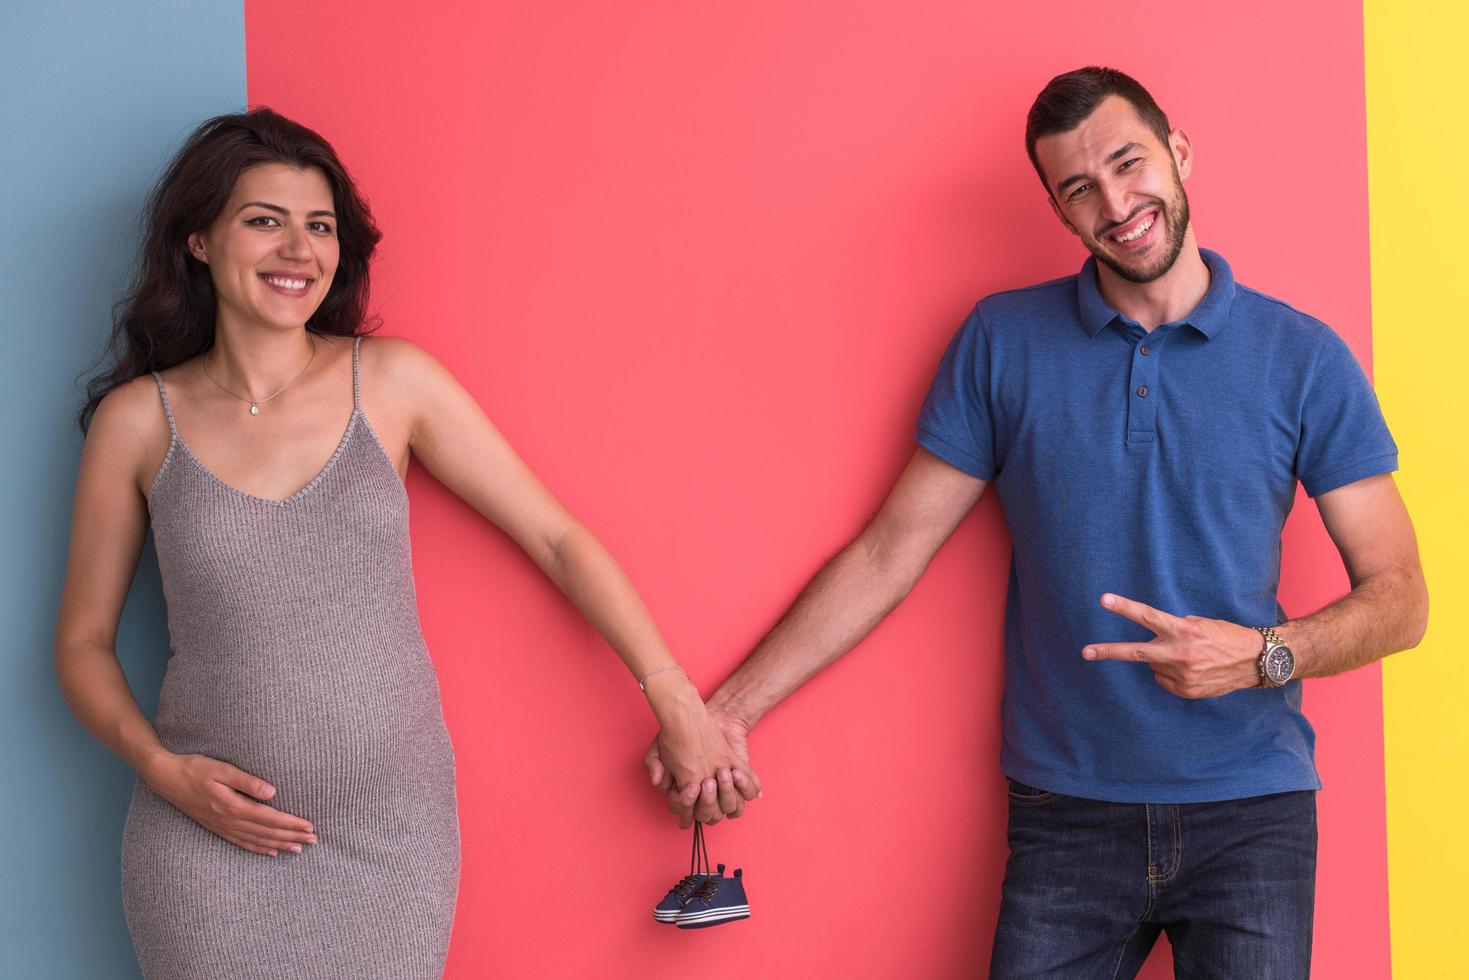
254	409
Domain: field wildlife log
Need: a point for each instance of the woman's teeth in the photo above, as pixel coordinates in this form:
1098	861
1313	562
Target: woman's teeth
286	283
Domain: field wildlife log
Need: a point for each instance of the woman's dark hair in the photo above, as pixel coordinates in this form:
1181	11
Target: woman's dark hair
167	314
1068	99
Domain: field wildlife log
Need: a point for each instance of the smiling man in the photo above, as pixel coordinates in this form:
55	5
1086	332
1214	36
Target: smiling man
1145	423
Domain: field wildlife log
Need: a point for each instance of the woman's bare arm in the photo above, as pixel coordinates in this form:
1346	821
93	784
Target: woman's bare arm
108	527
456	442
125	444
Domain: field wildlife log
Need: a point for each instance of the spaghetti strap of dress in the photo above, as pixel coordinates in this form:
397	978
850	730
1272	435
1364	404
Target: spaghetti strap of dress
356	381
168	411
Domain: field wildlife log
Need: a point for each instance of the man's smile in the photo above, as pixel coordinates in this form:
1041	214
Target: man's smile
1133	234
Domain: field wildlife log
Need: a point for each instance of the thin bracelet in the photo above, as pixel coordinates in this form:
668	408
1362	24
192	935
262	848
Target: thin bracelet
643	681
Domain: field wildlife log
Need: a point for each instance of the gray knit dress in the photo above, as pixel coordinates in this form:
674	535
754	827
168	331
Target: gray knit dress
298	657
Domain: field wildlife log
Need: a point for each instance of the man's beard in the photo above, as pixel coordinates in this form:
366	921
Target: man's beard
1176	213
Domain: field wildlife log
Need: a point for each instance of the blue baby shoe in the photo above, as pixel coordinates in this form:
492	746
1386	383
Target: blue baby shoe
678	896
715	901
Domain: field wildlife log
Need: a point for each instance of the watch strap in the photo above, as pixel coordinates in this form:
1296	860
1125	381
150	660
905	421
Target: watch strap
1272	640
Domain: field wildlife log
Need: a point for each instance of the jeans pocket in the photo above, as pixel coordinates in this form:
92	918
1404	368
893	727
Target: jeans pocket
1023	795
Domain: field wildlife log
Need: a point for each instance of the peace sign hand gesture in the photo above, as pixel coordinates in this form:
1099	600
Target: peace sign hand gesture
1191	657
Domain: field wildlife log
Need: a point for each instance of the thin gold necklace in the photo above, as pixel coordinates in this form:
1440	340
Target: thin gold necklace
254	404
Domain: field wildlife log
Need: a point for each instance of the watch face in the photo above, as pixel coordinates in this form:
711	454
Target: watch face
1280	663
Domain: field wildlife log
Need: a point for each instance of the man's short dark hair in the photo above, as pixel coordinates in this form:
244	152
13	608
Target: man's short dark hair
1068	99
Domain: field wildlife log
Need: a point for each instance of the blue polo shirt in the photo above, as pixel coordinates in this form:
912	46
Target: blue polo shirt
1159	466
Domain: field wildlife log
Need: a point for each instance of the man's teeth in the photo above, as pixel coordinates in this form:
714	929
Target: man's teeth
285	283
1136	233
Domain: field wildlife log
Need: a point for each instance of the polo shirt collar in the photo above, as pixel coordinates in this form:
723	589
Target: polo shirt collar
1208	318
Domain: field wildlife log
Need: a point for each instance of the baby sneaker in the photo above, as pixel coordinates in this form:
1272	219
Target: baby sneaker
716	901
679	895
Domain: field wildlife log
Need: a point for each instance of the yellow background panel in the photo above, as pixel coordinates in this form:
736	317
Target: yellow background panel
1418	182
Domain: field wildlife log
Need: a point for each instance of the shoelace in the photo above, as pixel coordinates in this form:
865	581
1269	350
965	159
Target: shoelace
698	866
686	887
707	890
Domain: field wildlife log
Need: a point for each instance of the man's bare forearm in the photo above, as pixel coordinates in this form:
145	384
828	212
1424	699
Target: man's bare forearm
846	600
856	589
1381	615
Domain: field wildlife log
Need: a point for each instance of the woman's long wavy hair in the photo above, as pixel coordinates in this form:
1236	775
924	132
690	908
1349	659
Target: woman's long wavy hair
167	314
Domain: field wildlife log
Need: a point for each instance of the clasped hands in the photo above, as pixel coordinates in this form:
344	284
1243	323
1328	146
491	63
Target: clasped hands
718	785
1191	656
701	761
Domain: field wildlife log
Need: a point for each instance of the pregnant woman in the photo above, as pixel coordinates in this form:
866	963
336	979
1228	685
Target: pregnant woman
295	814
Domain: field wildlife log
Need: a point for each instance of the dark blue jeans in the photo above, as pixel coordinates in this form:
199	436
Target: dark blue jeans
1089	886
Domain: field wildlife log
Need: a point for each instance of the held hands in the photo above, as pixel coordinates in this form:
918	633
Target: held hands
701	762
214	794
1191	657
727	781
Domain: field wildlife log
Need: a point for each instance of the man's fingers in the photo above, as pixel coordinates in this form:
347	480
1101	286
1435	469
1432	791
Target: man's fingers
730	801
1169	684
1135	652
1141	613
682	801
748	784
707	809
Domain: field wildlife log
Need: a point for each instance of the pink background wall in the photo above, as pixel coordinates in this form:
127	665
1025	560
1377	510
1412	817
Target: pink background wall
699	264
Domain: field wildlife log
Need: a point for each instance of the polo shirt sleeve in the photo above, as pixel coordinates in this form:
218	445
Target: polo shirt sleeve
1344	437
955	423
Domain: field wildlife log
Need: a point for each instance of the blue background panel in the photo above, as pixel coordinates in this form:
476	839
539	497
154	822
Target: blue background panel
93	99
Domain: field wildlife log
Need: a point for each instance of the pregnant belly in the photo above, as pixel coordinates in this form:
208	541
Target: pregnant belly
329	738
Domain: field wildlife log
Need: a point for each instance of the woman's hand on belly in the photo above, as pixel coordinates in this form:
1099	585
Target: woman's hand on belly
218	797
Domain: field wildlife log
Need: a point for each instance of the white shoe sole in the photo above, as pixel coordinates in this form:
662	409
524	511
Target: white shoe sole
712	916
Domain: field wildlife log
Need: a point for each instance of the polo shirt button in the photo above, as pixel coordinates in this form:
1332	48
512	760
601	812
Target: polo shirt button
1142	392
1144	350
